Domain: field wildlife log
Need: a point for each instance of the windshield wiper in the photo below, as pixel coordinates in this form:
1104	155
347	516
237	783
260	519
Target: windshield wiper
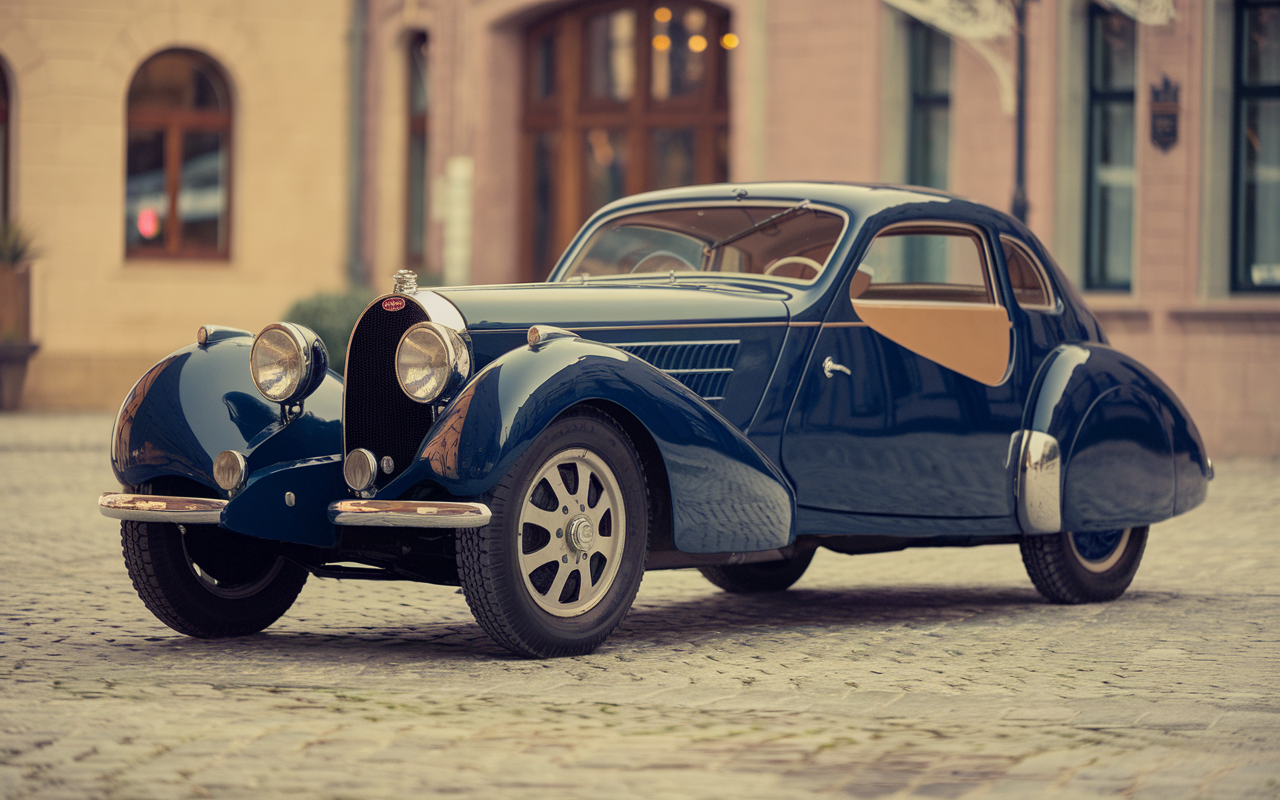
764	223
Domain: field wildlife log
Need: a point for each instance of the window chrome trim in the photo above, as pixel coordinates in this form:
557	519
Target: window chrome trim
1039	484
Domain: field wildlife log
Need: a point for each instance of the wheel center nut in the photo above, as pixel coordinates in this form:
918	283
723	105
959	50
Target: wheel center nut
581	534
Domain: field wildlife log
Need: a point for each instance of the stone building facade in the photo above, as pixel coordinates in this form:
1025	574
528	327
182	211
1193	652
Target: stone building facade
468	138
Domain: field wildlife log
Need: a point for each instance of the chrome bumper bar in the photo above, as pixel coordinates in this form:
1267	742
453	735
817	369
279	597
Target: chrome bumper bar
158	508
408	514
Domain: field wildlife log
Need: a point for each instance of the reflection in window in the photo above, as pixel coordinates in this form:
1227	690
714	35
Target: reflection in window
611	48
1113	45
1030	286
416	163
606	162
679	51
177	157
1257	178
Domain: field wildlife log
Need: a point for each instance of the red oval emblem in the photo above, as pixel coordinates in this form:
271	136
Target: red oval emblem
393	304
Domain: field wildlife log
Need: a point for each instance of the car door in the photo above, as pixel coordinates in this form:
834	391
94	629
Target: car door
908	402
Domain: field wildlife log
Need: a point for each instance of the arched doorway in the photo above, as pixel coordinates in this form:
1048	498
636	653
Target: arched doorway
619	98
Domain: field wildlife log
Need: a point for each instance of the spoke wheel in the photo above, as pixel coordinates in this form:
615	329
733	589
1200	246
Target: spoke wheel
560	562
1084	567
205	581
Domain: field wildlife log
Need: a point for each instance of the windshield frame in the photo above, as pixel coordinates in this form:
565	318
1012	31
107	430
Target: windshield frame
781	205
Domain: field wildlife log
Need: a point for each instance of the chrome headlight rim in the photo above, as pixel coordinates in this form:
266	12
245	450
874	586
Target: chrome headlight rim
457	361
312	359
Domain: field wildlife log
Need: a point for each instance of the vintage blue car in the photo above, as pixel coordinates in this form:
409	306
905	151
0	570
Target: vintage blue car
724	377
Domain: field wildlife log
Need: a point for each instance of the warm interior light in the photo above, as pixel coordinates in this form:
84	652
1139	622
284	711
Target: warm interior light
148	223
661	43
729	41
697	43
662	14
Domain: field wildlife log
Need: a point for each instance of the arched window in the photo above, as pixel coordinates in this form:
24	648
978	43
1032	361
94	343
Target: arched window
177	183
621	97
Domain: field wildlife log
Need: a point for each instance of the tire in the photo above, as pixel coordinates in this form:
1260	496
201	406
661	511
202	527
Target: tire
765	576
205	581
1084	568
543	578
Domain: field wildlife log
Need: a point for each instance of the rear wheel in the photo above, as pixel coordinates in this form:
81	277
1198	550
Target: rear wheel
205	581
1085	567
560	562
765	576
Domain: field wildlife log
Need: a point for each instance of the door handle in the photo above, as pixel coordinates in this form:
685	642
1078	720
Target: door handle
829	366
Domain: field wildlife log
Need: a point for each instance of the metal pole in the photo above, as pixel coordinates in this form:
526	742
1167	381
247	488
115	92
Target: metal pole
1020	146
356	275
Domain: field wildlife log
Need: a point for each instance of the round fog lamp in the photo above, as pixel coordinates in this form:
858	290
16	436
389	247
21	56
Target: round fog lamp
229	470
360	469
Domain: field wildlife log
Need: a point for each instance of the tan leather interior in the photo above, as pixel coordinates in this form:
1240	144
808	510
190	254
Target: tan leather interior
969	338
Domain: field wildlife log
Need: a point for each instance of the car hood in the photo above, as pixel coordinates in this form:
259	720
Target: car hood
576	306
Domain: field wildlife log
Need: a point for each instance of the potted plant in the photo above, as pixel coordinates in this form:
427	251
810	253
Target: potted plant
16	254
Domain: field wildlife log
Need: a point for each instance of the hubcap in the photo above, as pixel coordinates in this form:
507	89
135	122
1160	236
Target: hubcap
1099	551
572	529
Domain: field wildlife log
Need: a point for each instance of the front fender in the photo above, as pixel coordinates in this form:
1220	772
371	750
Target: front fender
725	494
1131	455
201	400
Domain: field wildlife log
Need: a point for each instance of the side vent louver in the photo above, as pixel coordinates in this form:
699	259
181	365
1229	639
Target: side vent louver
704	367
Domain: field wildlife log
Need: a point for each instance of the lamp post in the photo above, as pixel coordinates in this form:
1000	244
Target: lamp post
1019	209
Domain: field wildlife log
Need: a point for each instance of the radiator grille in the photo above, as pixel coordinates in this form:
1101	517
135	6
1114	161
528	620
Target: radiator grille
705	367
377	415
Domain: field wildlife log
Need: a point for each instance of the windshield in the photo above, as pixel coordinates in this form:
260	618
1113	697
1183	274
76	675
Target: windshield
793	247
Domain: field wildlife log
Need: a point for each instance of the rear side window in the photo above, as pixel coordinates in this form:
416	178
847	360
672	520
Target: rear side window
1030	285
925	265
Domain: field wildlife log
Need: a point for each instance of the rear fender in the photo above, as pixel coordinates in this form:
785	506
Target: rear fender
725	494
200	401
1130	454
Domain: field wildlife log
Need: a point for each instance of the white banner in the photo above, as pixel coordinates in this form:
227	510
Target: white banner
976	20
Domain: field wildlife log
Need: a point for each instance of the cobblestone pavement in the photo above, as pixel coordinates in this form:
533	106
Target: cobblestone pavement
928	673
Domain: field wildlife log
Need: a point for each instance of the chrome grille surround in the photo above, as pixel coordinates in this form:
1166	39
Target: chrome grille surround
703	366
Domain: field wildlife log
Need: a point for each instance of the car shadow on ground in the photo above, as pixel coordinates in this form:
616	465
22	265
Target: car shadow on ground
709	620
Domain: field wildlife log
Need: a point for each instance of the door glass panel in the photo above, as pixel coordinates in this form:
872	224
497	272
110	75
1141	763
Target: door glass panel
672	157
611	55
146	201
926	267
678	51
606	162
201	198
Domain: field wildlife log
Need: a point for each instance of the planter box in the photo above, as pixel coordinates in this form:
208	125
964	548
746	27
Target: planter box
13	372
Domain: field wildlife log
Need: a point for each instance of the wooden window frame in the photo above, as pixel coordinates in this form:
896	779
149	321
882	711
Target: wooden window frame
569	113
173	123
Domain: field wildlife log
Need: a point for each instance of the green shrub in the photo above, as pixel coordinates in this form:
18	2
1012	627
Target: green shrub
332	315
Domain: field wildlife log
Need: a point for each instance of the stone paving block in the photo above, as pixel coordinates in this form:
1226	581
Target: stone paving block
1043	715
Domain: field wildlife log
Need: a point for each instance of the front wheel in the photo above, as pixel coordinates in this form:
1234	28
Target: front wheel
1084	567
560	562
205	581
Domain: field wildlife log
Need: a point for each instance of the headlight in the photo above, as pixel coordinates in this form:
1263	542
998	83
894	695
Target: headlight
430	359
287	362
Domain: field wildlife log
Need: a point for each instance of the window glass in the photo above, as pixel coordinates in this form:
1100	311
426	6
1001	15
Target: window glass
606	165
177	164
545	146
934	265
1258	149
672	157
1030	287
1113	46
611	60
542	58
929	126
4	148
419	102
777	242
679	51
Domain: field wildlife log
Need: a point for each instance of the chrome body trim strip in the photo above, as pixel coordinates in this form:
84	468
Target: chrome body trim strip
408	514
1039	484
158	508
679	326
706	371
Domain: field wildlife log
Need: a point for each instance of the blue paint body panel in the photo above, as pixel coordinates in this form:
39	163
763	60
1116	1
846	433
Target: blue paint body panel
503	409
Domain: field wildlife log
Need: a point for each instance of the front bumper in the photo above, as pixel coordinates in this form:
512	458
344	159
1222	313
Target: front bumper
375	513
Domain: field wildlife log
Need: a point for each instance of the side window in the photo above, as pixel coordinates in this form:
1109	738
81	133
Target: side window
1030	286
925	265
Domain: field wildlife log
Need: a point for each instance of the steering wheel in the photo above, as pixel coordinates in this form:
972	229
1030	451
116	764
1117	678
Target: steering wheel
787	260
661	261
